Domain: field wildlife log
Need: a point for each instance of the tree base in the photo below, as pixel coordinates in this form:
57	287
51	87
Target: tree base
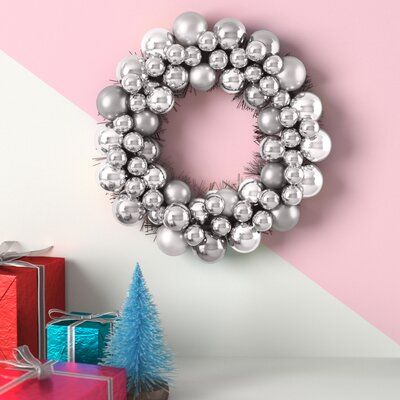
160	393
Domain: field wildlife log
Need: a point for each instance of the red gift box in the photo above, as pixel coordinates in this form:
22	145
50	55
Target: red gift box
28	290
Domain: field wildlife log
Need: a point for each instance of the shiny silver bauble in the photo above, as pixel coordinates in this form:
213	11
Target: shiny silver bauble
308	105
188	27
230	33
131	64
123	123
133	142
271	149
214	204
285	218
161	100
155	42
291	138
273	175
242	211
112	179
155	177
316	148
232	81
238	57
156	216
146	122
262	221
135	186
256	51
281	99
137	102
177	217
269	199
270	40
244	238
202	77
116	157
150	151
198	210
269	85
250	189
294	174
293	157
212	249
170	242
154	66
131	83
177	191
108	138
312	181
268	121
175	54
152	199
293	74
308	128
128	210
218	59
176	78
273	64
292	195
253	73
192	56
220	226
207	41
112	102
137	166
288	117
194	235
254	97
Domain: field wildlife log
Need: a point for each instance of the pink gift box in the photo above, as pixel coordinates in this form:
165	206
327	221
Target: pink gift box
70	381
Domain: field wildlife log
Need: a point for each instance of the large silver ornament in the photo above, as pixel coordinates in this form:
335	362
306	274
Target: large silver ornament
155	42
131	64
188	27
232	81
244	238
202	77
177	191
177	217
270	40
293	74
128	210
230	33
271	149
254	97
112	179
268	121
108	138
312	181
170	242
212	249
207	41
230	197
146	122
112	102
176	78
155	177
262	221
273	175
250	189
194	235
316	148
308	105
242	211
160	100
133	142
198	210
116	157
285	218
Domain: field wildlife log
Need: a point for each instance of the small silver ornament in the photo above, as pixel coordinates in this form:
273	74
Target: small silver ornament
156	216
269	199
137	166
133	142
273	64
207	41
161	100
175	54
135	186
281	99
188	27
285	218
230	33
242	211
154	66
317	148
292	195
137	102
288	117
128	210
112	102
194	235
123	123
108	138
293	157
214	204
177	191
244	238
262	221
308	105
176	78
177	217
212	249
155	42
269	85
149	86
253	73
271	149
131	64
218	60
250	189
270	40
112	179
273	175
294	174
198	210
256	51
192	56
202	77
116	157
131	83
220	226
293	74
308	128
230	197
146	122
155	177
268	121
312	181
150	151
170	242
291	138
254	97
238	57
152	199
232	81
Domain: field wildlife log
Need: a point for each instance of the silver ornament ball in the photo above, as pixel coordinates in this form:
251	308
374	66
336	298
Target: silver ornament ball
269	85
273	64
198	210
269	39
137	102
108	138
112	102
271	149
293	157
292	195
256	51
155	177
188	27
242	211
254	97
317	148
176	78
291	138
131	83
230	197
192	56
155	42
308	105
177	217
230	33
309	128
194	235
202	77
269	199
273	175
253	73
293	74
128	210
218	60
116	157
156	216
238	57
154	66
123	123
150	151
175	54
262	221
152	199
146	122
232	81
212	249
207	41
131	64
220	226
250	189
170	242
285	218
214	204
281	99
161	100
112	179
294	174
177	191
312	181
268	121
137	166
135	186
133	142
288	117
244	238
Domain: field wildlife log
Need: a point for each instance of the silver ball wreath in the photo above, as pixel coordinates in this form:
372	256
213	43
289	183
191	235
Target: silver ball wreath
250	68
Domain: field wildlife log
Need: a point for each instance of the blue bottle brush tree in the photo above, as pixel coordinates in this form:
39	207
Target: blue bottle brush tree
137	342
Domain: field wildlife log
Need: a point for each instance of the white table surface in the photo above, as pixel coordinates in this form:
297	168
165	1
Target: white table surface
286	379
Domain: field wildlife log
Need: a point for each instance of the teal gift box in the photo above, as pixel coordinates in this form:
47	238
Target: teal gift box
78	337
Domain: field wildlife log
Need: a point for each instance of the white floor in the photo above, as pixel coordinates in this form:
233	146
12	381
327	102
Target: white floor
287	379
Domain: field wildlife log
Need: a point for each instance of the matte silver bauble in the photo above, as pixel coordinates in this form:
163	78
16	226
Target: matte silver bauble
288	117
230	197
281	99
308	105
268	121
273	64
269	85
218	59
137	102
220	226
232	81
271	149
207	41
155	177
194	235
156	216
146	122
254	97
137	166
202	77
250	189
161	100
123	123
256	51
170	242
112	179
308	128
253	73
292	195
155	42
112	102
316	148
176	78
154	66
214	204
312	181
212	249
273	175
108	138
230	33
238	57
293	74
270	40
116	157
128	210
175	54
131	64
244	238
131	83
192	56
285	218
135	186
133	142
242	211
269	199
293	157
188	27
177	191
262	221
198	210
294	174
150	151
177	217
152	199
291	138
